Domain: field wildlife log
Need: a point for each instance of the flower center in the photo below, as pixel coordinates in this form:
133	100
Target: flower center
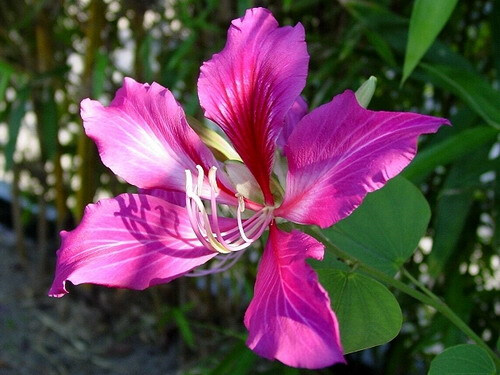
208	229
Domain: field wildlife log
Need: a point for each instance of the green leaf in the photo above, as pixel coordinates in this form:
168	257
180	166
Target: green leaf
495	31
244	5
427	20
183	325
99	74
385	230
453	205
184	48
239	361
393	29
365	92
49	124
15	118
470	87
4	82
6	70
32	12
368	313
146	56
450	149
466	359
373	14
381	47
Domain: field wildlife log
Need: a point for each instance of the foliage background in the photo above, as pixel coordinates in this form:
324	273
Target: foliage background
55	53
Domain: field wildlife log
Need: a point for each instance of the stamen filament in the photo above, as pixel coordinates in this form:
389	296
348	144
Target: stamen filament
207	229
239	211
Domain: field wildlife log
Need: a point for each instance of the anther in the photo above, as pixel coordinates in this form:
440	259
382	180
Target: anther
212	179
241	202
201	177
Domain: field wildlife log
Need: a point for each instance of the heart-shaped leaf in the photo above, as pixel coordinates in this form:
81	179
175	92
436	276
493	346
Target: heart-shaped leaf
466	359
368	313
385	230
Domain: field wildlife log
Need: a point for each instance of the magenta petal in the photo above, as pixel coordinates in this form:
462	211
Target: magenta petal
131	241
290	318
176	197
143	137
340	152
248	88
299	109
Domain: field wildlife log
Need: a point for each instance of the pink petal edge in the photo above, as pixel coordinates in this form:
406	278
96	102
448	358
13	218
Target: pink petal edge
290	318
297	111
143	137
132	241
340	152
248	88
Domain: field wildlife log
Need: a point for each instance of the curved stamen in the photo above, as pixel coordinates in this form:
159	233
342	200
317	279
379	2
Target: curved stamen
213	206
191	213
201	177
239	211
208	230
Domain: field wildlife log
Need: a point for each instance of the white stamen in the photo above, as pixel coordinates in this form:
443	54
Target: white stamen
239	211
212	179
208	230
201	177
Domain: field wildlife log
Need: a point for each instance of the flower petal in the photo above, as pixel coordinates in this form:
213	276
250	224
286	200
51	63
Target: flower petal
290	317
175	197
143	137
340	152
248	88
131	241
297	111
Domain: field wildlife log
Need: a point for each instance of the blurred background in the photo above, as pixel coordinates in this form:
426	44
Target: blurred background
55	53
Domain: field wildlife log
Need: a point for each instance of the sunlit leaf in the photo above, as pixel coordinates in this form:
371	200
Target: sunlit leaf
392	28
466	359
427	20
385	230
368	313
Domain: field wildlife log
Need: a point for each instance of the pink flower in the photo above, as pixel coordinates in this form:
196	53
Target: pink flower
331	158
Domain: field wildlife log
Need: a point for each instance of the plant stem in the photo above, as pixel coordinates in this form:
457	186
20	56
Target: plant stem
444	309
427	297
